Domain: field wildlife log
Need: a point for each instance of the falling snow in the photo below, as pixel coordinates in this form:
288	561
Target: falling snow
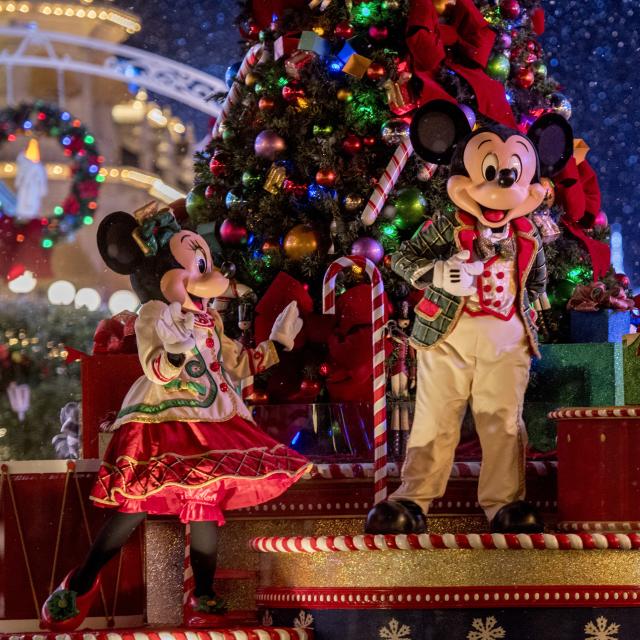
592	46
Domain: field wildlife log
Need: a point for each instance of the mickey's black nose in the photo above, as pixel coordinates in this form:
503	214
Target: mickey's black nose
506	177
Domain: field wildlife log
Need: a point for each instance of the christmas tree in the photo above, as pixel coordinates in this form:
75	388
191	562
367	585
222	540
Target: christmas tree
33	352
319	111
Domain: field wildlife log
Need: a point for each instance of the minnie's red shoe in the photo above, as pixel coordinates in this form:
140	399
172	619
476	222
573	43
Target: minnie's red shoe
205	611
65	609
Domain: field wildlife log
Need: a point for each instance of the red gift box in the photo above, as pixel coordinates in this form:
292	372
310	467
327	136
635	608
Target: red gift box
105	382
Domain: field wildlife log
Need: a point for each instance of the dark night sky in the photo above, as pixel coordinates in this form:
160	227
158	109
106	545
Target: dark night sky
593	48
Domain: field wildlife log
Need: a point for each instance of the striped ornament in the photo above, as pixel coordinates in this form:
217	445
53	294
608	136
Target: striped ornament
379	373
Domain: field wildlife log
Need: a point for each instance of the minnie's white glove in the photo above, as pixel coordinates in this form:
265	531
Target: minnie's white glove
457	276
175	329
287	326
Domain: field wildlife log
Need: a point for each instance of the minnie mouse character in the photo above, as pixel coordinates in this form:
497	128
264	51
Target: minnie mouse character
481	267
184	444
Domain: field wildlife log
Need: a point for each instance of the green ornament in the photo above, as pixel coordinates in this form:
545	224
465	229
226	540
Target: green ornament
540	70
322	130
259	88
228	134
499	67
196	202
410	207
251	179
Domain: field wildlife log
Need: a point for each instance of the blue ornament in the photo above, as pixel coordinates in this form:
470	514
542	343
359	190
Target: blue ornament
231	73
317	193
233	201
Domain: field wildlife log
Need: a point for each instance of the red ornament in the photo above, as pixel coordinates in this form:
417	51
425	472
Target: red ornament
266	103
378	32
352	144
623	280
601	219
294	189
310	388
324	369
326	177
292	92
369	141
218	166
386	261
344	30
211	191
232	233
270	246
510	9
524	78
249	30
515	53
376	71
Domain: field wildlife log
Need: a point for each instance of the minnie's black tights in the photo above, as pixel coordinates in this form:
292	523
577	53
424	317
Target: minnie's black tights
117	530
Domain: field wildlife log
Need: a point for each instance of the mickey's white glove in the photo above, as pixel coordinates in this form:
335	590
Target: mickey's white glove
287	326
457	276
323	4
175	329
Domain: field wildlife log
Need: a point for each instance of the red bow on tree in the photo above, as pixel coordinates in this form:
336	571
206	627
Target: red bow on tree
578	193
464	46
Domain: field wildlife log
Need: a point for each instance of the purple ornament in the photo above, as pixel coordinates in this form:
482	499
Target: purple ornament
269	145
368	248
469	113
504	41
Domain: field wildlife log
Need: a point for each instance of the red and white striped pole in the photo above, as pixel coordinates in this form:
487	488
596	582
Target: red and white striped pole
386	183
188	579
379	373
250	60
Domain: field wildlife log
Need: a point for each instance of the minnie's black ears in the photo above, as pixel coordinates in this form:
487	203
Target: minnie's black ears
117	247
436	128
552	136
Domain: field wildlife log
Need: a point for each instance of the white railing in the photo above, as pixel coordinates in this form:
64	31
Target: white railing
49	50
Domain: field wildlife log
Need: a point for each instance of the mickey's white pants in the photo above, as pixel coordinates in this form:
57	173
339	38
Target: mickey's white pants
484	362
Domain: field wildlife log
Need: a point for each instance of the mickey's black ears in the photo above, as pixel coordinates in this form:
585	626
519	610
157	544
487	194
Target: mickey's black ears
117	247
552	136
436	128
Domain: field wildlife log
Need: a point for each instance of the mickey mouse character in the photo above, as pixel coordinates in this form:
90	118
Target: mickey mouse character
184	444
481	268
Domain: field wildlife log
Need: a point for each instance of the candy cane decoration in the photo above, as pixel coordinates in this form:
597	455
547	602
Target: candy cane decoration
379	374
188	579
249	62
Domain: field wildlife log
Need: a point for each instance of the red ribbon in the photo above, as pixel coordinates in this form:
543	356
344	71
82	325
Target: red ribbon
596	296
116	335
464	46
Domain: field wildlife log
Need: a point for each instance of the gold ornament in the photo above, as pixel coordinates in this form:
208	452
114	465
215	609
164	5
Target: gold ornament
346	95
352	202
550	194
443	5
302	241
251	78
275	178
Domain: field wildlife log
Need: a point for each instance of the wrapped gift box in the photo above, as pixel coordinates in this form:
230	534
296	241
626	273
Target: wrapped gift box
631	365
106	378
571	375
605	325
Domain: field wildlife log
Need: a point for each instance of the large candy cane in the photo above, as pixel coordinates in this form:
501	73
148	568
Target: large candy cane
388	180
249	62
188	580
379	375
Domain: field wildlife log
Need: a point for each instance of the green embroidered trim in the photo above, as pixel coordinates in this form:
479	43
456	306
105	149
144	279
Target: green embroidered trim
222	369
196	365
195	388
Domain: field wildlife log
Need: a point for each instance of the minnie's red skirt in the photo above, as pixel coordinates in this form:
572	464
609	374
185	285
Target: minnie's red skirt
194	470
